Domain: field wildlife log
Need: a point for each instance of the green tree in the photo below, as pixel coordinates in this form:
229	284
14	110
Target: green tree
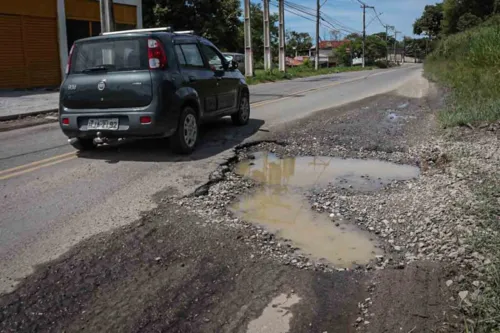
218	21
467	21
382	36
429	23
375	48
415	47
301	41
459	15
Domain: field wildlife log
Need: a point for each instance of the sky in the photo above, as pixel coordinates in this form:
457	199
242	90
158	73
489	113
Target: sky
399	13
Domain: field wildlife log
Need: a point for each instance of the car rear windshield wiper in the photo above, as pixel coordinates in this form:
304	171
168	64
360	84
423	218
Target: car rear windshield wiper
97	68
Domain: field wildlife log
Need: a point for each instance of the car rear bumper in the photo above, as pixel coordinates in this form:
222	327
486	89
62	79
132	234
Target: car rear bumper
129	124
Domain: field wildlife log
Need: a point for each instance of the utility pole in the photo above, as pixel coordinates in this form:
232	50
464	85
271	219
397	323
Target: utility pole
282	64
387	27
107	15
364	6
248	41
267	42
318	17
395	42
403	53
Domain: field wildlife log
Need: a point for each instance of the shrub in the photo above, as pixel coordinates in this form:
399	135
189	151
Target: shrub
381	63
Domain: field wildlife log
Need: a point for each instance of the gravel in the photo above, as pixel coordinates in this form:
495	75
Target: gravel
428	218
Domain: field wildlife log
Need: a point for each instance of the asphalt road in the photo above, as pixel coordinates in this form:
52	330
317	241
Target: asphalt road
53	198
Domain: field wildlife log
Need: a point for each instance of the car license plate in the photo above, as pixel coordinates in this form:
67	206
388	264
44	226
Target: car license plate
102	124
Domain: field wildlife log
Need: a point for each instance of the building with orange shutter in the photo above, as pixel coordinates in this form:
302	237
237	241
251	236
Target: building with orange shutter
36	35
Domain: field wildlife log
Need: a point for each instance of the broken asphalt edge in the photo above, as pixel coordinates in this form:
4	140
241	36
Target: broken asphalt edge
216	176
27	114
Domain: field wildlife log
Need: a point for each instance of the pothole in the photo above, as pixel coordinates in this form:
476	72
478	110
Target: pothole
316	171
288	215
281	207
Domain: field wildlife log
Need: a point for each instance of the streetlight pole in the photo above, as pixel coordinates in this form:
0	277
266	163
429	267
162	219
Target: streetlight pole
267	43
248	41
318	17
282	64
107	15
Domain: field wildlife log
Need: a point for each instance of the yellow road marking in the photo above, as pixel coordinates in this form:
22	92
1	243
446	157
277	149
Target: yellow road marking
36	163
294	94
15	174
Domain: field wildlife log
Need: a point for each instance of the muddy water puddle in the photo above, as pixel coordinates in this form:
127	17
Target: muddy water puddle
319	171
288	215
281	207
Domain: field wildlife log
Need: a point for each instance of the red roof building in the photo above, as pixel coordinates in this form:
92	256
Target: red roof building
332	44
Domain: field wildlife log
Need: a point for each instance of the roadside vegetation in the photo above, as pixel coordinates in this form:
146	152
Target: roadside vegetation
262	76
464	39
469	64
487	310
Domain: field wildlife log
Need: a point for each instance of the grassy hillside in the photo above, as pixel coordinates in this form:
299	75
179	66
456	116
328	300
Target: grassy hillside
469	64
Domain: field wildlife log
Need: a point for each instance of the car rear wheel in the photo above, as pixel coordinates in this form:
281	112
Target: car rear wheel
241	117
83	144
185	138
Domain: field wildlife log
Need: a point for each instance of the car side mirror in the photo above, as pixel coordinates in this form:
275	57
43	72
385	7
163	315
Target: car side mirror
233	64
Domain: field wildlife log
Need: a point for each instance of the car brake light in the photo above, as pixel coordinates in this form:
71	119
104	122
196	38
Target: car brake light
145	120
68	65
156	54
65	121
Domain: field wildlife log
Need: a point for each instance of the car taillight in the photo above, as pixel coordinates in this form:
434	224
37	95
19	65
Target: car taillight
156	54
65	121
145	120
68	65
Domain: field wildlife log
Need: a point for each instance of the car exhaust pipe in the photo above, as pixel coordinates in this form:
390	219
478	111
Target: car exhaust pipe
99	139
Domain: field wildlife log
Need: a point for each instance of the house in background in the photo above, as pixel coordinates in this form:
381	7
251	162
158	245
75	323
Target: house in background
327	51
36	35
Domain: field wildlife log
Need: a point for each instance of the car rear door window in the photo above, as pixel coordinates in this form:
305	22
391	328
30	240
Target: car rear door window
215	61
180	55
192	55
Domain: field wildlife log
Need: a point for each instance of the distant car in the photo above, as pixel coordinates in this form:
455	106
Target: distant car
239	58
148	83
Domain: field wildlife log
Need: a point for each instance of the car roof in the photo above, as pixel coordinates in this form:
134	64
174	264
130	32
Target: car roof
169	35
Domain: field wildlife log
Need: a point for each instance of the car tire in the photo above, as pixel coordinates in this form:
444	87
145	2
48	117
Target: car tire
242	116
185	138
83	144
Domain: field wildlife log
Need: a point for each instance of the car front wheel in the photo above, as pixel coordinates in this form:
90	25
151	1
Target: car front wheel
185	138
241	117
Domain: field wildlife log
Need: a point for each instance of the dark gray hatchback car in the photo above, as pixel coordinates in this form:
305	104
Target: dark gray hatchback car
148	83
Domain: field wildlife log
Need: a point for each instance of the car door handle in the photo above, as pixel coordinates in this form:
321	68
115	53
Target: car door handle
192	78
218	78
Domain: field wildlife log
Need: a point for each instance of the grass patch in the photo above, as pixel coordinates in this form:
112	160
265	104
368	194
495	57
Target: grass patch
262	76
469	64
487	310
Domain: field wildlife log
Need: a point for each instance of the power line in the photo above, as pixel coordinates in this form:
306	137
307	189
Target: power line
378	17
300	10
333	21
372	19
293	12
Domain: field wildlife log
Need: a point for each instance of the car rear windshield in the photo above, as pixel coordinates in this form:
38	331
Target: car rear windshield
109	55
